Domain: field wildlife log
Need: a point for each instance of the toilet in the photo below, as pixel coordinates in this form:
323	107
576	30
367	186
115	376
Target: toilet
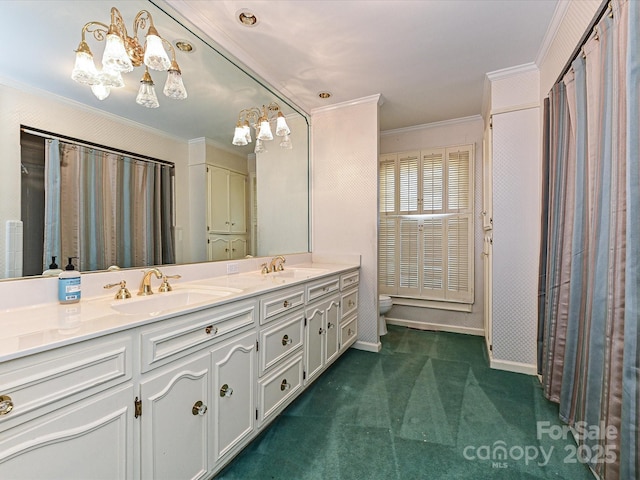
384	305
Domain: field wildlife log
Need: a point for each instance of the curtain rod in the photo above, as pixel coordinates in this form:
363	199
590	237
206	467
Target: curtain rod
602	9
54	136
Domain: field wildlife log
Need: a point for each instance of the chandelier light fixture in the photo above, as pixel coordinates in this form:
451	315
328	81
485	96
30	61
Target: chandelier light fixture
122	53
260	120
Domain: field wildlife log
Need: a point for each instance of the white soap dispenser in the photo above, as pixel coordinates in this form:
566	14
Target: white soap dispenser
69	284
53	270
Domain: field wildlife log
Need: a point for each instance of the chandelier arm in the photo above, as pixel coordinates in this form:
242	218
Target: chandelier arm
99	31
117	24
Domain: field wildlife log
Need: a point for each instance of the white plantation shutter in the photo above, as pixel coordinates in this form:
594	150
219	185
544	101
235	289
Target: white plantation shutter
388	184
432	180
408	182
459	177
409	252
426	224
433	259
387	255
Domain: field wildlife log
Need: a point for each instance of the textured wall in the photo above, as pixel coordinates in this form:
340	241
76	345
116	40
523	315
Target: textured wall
344	185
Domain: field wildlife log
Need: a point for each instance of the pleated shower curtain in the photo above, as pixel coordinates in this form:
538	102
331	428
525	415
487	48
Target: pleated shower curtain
112	209
590	258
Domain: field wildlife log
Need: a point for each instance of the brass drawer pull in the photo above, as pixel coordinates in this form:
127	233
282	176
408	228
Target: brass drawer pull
286	304
199	408
286	340
6	404
321	331
226	391
330	325
211	330
351	303
284	385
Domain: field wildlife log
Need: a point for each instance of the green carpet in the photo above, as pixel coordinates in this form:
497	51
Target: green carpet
426	407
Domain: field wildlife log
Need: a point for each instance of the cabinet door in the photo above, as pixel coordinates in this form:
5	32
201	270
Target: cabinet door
237	203
233	395
174	435
218	248
218	200
238	247
89	439
314	341
332	330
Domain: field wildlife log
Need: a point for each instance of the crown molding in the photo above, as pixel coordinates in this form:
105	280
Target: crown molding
444	123
512	71
552	30
377	98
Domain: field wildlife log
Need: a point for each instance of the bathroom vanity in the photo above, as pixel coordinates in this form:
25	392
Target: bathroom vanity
172	385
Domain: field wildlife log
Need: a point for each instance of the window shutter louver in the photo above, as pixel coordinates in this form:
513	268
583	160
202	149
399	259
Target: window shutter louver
458	180
387	255
388	186
408	182
459	258
433	263
408	254
432	181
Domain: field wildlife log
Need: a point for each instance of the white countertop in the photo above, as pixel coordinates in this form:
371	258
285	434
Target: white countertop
28	330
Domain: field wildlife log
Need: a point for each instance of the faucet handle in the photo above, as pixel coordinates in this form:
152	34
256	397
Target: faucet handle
280	264
265	269
123	292
165	287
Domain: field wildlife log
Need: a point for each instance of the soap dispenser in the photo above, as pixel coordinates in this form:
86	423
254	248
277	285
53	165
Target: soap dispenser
69	284
53	270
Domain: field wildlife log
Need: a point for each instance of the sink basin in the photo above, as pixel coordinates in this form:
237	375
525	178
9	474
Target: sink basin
160	302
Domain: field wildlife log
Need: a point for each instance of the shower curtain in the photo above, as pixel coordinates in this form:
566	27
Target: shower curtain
590	258
108	209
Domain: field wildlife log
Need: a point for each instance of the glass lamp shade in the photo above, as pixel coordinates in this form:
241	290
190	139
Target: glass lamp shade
155	56
239	137
174	88
147	95
281	126
115	55
247	131
265	131
111	78
259	147
100	91
286	142
84	70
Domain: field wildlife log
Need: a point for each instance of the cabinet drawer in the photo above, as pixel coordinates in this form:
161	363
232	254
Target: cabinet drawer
277	388
350	279
348	332
348	303
43	379
273	305
184	335
322	287
279	340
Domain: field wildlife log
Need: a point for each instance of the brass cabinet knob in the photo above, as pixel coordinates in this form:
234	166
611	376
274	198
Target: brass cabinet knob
286	340
352	303
226	391
321	331
350	332
330	325
284	385
286	304
211	330
199	408
6	404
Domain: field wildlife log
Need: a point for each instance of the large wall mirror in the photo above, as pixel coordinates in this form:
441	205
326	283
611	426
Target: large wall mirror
195	134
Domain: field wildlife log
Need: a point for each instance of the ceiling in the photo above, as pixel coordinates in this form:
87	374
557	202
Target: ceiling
428	58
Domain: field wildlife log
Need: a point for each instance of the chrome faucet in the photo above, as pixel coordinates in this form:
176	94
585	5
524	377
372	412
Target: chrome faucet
145	285
277	264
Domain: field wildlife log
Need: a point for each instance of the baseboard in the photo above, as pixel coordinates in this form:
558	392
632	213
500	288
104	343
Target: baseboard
367	346
438	327
515	367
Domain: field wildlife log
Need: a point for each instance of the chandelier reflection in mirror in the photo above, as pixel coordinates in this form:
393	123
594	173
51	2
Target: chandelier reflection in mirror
260	120
122	53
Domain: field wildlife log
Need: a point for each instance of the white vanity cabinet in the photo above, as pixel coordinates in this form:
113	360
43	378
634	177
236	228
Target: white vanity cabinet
69	407
172	398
